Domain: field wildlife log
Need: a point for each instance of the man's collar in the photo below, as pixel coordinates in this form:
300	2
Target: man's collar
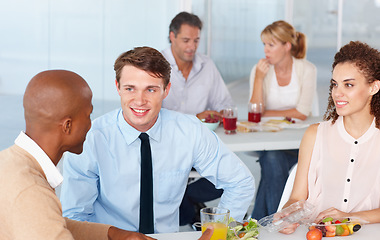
131	134
52	174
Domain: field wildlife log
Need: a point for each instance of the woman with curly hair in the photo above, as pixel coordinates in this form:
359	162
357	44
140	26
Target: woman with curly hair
339	158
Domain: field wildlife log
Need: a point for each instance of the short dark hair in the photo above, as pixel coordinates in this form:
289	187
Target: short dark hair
367	60
184	18
147	59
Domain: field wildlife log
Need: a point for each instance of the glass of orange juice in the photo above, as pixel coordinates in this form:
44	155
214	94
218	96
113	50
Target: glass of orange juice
218	218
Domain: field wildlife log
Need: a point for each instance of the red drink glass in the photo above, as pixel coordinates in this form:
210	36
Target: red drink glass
254	117
229	124
254	112
229	120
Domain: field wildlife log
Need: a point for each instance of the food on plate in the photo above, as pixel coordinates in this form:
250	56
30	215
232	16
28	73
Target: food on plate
290	120
211	118
314	234
247	231
281	121
339	230
331	228
211	121
328	219
246	126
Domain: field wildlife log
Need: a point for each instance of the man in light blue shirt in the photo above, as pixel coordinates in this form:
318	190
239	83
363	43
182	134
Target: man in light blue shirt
103	183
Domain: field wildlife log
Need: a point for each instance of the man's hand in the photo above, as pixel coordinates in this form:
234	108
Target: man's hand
115	233
207	234
204	114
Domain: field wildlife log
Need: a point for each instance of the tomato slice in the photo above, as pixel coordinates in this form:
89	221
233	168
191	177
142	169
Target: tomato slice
241	235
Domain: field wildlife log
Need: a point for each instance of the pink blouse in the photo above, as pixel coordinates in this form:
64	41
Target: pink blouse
344	172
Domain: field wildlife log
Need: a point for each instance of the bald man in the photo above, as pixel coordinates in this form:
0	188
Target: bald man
57	108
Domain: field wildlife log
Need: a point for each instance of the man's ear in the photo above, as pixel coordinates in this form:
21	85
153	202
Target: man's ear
117	86
171	36
67	125
167	89
375	87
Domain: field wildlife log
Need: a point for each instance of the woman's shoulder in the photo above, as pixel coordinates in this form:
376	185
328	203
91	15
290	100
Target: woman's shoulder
309	137
312	129
304	63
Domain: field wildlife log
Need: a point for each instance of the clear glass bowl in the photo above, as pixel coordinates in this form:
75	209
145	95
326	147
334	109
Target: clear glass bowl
298	212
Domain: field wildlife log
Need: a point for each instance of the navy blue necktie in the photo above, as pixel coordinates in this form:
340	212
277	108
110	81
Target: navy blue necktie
146	187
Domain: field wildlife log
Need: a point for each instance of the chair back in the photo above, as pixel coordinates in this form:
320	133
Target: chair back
288	187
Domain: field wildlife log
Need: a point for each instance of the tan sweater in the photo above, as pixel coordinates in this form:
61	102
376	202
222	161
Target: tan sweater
29	208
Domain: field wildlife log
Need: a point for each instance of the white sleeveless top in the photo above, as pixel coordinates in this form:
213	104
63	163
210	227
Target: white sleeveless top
344	172
283	97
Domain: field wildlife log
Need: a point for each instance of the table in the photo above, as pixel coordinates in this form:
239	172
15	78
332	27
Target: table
368	232
258	141
177	236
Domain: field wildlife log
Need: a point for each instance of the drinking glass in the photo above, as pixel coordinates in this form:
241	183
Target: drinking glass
218	218
254	112
229	119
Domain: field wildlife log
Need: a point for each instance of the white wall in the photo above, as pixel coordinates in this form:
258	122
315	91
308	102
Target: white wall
85	36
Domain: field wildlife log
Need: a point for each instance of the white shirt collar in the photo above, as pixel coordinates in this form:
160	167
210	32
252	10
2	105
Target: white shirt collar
53	176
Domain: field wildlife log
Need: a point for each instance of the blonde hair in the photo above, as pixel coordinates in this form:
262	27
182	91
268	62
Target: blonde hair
284	32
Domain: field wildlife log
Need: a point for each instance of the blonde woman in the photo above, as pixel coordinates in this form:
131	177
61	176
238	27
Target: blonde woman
285	83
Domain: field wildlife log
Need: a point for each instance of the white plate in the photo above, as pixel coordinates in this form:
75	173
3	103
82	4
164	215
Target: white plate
298	123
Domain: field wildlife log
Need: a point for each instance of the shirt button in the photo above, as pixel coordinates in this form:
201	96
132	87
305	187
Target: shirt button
348	180
345	200
352	160
356	142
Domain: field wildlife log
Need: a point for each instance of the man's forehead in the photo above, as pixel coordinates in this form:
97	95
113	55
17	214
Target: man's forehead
132	75
185	28
142	82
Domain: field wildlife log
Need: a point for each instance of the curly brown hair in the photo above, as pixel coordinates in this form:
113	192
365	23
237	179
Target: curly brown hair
367	60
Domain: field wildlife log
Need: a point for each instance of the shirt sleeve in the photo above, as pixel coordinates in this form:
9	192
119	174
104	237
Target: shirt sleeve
308	80
223	168
87	230
80	186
